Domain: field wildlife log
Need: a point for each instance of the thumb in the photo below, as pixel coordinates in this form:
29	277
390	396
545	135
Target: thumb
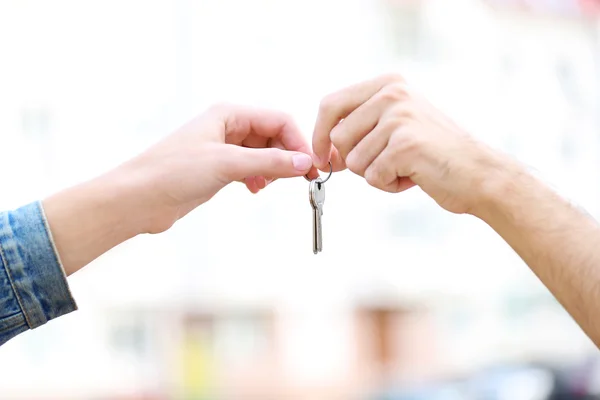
274	163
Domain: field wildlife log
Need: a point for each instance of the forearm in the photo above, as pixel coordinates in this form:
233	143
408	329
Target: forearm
91	218
559	242
42	242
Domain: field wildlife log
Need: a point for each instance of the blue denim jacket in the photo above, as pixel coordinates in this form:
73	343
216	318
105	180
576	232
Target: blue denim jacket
33	285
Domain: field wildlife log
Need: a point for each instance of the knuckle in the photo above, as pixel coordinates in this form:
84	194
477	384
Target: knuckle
407	112
328	104
270	159
337	136
390	124
406	143
399	139
393	93
414	144
276	164
393	77
355	163
275	157
373	177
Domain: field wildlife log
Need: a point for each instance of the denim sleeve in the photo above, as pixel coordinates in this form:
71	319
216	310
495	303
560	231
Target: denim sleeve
33	285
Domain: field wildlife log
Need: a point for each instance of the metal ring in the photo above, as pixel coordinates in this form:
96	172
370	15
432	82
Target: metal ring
328	176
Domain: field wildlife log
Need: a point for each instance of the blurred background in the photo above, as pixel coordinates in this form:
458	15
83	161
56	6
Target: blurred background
406	302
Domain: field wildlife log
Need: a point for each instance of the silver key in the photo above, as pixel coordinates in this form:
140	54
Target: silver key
317	199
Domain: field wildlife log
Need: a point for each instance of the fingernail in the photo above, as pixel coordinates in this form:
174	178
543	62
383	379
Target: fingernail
302	162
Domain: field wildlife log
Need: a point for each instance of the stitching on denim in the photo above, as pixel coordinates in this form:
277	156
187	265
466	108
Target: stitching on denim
8	321
12	328
51	238
12	284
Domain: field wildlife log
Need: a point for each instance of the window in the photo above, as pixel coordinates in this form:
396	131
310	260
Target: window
130	334
242	337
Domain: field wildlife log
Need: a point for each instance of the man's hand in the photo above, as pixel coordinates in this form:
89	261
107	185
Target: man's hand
150	192
395	139
382	131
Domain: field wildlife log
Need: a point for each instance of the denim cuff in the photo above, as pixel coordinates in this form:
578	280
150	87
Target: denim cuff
32	267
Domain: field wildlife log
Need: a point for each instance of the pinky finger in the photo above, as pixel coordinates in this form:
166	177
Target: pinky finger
261	182
251	184
384	173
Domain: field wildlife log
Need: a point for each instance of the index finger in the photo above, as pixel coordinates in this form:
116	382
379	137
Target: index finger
338	106
241	122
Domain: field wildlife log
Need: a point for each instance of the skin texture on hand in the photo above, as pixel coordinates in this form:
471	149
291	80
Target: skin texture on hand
152	191
225	144
382	131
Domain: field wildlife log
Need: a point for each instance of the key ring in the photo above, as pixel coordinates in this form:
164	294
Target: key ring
328	176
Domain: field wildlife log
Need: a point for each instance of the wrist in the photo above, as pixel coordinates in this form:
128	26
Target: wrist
136	199
502	180
88	219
